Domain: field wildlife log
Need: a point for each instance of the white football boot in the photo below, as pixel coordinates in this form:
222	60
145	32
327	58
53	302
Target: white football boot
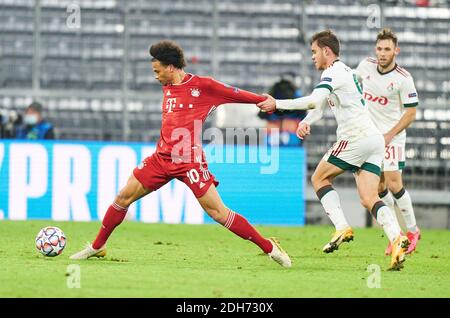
89	251
278	255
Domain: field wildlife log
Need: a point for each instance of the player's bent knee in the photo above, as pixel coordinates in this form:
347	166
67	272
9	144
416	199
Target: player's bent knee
319	183
316	181
123	200
395	187
394	182
216	215
368	201
364	203
313	179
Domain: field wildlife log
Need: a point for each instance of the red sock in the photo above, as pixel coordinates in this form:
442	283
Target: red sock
113	217
240	226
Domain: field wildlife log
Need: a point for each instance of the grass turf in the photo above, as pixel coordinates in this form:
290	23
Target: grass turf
163	260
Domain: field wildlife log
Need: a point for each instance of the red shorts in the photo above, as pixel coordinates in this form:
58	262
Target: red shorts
155	171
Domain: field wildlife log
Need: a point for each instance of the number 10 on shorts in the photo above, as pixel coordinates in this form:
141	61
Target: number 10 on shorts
193	176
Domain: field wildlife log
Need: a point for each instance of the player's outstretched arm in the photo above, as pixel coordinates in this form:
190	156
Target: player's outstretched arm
315	100
228	94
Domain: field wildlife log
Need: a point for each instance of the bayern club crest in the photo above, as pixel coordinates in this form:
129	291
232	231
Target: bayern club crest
195	92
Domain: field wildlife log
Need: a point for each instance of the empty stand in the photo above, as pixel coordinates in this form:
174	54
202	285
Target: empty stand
85	81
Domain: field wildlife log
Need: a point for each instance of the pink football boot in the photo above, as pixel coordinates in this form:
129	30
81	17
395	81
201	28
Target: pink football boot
413	238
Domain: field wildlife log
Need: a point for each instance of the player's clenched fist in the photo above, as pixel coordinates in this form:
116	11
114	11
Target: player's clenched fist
303	130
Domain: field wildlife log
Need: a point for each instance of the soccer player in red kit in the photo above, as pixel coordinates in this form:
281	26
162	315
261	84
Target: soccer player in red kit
188	100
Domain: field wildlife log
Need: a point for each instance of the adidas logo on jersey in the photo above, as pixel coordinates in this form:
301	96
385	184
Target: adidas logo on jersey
202	185
168	93
390	87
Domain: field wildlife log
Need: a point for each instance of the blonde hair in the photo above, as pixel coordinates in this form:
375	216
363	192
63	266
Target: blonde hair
387	34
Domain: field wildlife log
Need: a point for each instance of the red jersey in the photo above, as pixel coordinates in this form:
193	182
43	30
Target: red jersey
185	108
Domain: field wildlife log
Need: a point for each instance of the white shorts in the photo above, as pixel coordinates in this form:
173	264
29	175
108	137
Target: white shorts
366	154
394	157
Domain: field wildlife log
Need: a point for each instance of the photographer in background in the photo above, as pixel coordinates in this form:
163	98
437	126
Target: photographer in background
34	126
9	120
285	120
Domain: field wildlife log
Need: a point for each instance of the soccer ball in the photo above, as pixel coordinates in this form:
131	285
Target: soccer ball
50	241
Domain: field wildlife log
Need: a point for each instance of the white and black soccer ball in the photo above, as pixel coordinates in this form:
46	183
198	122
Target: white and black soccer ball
50	241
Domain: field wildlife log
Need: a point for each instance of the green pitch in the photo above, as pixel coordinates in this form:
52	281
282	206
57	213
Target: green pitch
160	260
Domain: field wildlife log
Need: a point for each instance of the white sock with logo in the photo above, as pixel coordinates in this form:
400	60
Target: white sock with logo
332	205
403	200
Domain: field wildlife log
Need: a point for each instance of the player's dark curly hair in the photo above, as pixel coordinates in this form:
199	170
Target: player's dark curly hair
387	34
327	38
168	53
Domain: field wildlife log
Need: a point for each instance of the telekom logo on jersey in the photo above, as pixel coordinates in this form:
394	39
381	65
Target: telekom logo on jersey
376	99
171	103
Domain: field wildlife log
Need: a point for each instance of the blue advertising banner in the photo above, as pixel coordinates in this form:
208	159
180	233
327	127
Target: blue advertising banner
77	181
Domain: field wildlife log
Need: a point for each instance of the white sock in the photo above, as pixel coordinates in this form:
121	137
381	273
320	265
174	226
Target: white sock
332	205
388	199
386	219
403	200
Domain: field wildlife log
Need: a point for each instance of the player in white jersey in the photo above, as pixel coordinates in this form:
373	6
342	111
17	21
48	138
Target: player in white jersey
392	100
359	147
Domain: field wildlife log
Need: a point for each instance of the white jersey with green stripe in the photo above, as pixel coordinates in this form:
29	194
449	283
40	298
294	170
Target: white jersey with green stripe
387	95
347	103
